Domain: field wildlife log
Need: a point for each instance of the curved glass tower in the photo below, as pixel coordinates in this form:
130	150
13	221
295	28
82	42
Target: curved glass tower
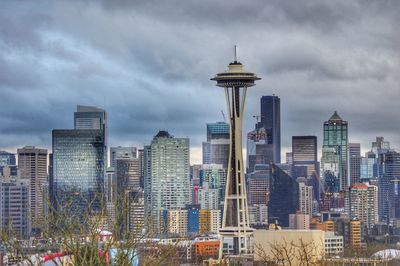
235	222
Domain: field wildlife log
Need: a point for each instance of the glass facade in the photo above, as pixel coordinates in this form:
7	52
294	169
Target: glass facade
284	196
271	121
216	149
78	168
336	137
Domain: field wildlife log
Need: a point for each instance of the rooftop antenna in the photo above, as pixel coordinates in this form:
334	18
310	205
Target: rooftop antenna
235	54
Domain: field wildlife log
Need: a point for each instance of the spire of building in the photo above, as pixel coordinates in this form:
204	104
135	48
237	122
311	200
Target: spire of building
335	117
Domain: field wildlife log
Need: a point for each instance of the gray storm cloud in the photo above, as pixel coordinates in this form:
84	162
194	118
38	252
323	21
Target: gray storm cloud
149	64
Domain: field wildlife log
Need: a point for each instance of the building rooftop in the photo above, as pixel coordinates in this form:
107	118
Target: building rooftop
335	117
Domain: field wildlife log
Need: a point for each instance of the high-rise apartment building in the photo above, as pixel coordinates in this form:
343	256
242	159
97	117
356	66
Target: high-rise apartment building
355	234
363	204
32	165
336	144
304	155
208	198
216	148
215	177
355	163
15	207
79	167
121	153
271	121
169	177
305	199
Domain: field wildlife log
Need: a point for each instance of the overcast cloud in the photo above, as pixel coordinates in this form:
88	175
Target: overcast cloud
149	63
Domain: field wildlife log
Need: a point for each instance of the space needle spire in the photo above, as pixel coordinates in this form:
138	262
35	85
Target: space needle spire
235	221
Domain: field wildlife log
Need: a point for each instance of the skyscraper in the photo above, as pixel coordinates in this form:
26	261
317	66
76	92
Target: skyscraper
90	117
169	177
121	153
271	121
235	222
336	138
355	163
127	174
305	198
389	164
32	164
305	155
80	160
78	167
284	196
259	150
216	148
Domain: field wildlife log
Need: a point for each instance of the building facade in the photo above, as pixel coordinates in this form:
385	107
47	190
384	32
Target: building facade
169	180
271	121
336	140
32	165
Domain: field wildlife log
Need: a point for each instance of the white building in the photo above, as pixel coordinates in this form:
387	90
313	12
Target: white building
333	244
305	199
167	182
208	198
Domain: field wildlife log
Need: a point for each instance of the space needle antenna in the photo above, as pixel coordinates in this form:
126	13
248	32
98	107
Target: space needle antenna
235	54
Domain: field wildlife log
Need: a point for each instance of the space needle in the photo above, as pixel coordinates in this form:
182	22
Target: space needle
235	221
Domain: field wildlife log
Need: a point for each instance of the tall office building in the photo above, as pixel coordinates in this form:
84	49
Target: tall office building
216	148
284	196
208	198
90	117
355	163
78	167
32	165
336	141
80	160
368	166
127	174
121	153
363	204
271	121
389	164
8	159
15	207
304	156
258	186
169	177
260	149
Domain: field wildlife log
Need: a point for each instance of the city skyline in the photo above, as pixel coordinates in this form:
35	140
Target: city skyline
101	54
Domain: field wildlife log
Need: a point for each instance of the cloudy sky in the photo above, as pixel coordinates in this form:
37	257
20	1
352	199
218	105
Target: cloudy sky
149	63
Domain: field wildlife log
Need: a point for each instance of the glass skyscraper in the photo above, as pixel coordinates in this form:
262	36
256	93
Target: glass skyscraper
216	148
284	195
78	167
336	138
271	121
